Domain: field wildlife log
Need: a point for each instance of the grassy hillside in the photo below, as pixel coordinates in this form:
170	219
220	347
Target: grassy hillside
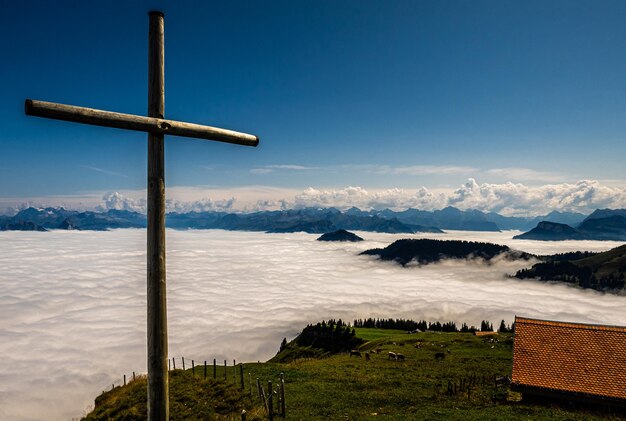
343	387
612	262
602	271
191	398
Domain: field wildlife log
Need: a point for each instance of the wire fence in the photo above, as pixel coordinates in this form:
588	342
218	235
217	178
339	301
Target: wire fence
271	397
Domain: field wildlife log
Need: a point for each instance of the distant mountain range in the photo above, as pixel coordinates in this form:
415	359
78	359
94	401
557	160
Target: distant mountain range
308	220
451	218
318	221
602	224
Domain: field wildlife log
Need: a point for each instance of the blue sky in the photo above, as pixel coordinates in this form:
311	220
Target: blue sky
375	94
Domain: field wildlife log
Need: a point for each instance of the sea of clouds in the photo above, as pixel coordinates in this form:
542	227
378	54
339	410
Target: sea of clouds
72	304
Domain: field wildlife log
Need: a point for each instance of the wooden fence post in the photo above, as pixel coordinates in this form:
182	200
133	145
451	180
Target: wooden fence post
205	369
282	394
183	363
124	379
234	372
270	392
225	370
241	375
174	363
134	374
193	368
262	395
214	369
258	387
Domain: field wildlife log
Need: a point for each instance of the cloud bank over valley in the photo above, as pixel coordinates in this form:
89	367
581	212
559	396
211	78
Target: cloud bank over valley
72	308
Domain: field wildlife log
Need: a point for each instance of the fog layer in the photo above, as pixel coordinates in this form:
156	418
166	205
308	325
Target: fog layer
72	304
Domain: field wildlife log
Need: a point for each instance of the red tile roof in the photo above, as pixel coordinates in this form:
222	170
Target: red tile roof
570	357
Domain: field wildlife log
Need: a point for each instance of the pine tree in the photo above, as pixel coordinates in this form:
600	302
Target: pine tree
503	328
283	345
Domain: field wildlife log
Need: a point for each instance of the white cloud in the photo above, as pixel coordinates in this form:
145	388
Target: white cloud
291	167
422	170
519	199
72	308
364	199
525	174
104	171
506	198
261	170
117	201
267	169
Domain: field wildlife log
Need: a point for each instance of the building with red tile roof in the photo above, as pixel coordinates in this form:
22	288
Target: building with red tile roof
575	361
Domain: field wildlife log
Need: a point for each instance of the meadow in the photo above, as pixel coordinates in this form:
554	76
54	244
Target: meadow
461	386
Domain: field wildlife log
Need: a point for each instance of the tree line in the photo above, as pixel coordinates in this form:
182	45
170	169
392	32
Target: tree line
565	271
422	325
332	336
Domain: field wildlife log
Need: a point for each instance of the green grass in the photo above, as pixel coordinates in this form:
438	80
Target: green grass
344	387
607	263
370	334
191	398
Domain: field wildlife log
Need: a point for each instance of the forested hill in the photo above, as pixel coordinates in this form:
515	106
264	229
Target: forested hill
424	251
602	271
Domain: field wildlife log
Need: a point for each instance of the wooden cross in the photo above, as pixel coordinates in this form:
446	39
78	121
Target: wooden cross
157	126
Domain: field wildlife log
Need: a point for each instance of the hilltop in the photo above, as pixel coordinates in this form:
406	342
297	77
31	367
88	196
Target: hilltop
601	271
424	251
340	235
602	224
443	376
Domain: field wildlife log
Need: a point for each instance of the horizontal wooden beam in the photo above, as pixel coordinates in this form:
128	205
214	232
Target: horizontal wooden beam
135	122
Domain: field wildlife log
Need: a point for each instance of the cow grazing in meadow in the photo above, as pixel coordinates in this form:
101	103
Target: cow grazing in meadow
391	355
355	353
399	357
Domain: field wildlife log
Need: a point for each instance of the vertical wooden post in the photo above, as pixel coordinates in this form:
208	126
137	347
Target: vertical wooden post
205	369
250	382
234	372
214	369
241	376
282	394
258	387
134	374
225	370
183	358
124	379
158	394
193	368
174	362
270	395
